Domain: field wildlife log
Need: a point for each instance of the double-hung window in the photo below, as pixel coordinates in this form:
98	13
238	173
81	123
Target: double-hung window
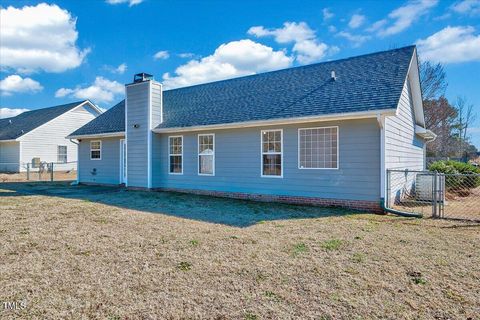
318	148
62	154
96	150
175	154
272	146
206	154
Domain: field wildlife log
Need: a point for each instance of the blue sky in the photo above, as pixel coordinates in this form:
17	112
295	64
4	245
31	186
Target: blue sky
55	52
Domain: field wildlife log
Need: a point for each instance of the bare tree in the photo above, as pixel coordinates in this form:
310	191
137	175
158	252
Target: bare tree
465	117
432	80
440	117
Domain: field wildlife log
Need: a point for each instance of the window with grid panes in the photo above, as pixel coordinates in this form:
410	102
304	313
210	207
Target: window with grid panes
175	154
272	153
318	148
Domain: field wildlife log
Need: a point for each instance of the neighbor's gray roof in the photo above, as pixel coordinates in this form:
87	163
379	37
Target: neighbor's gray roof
364	83
14	127
111	121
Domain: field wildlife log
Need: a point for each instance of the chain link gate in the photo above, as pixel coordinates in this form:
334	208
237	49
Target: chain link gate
433	194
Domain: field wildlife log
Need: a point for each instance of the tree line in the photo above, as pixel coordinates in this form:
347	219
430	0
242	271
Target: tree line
450	120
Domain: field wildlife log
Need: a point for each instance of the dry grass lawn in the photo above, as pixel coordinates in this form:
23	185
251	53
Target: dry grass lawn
93	253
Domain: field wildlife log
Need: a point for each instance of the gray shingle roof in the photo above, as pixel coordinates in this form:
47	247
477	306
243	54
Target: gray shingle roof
14	127
111	121
364	83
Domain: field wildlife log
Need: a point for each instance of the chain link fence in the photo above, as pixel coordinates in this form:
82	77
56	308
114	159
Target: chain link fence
432	194
41	171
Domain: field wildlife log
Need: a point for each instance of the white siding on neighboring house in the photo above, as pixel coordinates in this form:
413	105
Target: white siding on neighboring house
9	156
43	141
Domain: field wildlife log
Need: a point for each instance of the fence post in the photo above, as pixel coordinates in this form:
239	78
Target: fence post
387	195
435	194
28	171
51	172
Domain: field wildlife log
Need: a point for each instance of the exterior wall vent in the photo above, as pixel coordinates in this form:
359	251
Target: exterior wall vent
142	77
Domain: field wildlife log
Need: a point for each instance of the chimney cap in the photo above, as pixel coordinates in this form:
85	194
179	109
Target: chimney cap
142	77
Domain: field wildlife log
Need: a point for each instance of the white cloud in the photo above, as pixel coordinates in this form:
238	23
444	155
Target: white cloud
310	51
470	7
291	32
332	29
306	46
130	2
121	68
41	37
402	17
186	55
356	21
11	112
102	90
233	59
161	55
357	40
377	25
327	14
116	70
16	84
451	45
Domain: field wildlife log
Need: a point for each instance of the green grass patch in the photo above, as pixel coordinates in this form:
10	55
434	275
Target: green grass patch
250	316
417	277
333	244
299	248
358	257
185	266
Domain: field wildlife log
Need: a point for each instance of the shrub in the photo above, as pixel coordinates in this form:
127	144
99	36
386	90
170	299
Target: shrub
451	168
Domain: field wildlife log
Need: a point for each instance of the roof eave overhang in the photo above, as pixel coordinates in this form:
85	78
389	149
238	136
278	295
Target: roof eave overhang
9	140
97	135
425	133
283	121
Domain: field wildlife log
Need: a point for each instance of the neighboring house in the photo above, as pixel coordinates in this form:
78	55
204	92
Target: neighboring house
40	136
322	133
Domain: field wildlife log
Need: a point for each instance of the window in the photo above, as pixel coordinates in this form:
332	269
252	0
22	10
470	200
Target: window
95	150
62	154
175	147
318	148
272	153
206	154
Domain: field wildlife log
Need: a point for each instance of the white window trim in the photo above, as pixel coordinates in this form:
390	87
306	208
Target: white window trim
262	153
100	141
169	154
65	154
198	152
338	148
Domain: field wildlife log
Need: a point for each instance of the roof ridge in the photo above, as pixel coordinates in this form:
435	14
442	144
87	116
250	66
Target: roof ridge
296	67
76	103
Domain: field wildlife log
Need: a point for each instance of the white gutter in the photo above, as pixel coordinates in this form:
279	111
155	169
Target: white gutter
283	121
98	135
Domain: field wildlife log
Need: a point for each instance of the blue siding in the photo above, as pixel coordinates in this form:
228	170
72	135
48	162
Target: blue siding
108	168
137	109
237	161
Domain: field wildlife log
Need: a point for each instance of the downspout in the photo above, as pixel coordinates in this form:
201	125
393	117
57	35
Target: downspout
75	183
398	212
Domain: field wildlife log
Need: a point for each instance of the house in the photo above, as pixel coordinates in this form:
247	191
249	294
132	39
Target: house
322	134
40	136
